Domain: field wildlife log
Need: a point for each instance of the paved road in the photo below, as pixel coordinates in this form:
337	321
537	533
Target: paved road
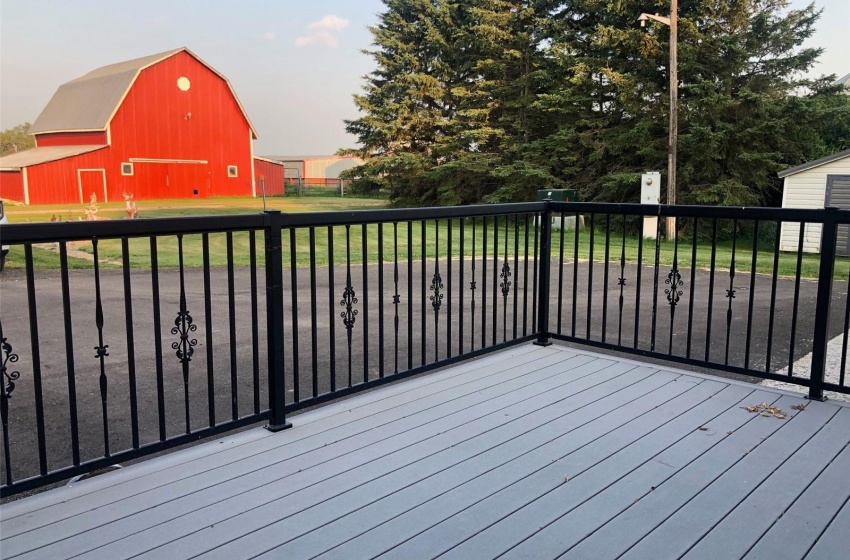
249	352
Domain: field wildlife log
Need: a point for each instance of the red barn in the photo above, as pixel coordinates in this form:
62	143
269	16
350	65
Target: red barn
163	126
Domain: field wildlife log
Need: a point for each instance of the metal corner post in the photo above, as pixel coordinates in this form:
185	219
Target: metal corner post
274	317
824	297
545	268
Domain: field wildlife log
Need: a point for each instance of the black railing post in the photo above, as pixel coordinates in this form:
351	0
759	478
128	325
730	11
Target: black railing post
828	238
274	316
545	267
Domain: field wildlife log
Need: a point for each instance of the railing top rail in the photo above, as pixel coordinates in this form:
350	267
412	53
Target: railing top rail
51	232
404	214
812	215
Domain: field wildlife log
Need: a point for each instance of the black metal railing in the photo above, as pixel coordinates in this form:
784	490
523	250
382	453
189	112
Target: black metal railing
126	338
173	310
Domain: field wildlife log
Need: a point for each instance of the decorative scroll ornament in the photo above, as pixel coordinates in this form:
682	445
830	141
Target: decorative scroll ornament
674	280
730	294
436	297
100	351
505	284
9	377
349	316
183	325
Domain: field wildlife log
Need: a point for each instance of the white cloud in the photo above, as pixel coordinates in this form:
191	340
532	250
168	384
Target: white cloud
269	36
324	32
330	23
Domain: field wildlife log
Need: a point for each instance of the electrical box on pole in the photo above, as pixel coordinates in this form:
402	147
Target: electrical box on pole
650	193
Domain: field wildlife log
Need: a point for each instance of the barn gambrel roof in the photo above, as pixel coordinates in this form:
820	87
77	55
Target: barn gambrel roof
89	102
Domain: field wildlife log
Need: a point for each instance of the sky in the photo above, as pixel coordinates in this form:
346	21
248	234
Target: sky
294	64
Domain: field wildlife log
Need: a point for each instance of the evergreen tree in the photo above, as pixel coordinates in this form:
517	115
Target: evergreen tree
488	100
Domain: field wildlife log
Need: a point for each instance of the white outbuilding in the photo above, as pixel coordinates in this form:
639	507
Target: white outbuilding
816	184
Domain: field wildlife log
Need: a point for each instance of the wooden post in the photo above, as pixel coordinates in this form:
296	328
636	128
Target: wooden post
674	120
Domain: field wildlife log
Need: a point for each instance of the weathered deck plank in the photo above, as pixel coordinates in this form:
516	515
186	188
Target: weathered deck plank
529	453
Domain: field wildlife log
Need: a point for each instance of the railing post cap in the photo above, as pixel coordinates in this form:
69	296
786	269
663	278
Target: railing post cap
271	211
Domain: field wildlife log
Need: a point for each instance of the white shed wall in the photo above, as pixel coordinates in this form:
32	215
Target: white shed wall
329	168
807	189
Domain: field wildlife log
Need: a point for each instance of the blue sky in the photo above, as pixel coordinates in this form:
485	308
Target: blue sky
293	63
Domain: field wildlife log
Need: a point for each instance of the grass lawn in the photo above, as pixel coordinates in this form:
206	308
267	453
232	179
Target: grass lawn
110	252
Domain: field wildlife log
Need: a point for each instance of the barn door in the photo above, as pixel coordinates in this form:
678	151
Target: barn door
838	195
92	181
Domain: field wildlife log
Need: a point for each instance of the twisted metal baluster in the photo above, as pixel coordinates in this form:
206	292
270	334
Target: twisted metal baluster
436	295
349	299
100	350
183	325
7	386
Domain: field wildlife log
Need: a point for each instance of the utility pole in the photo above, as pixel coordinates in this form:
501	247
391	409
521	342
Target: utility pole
672	141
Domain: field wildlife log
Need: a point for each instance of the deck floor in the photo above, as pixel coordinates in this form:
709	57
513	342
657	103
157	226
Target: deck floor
529	453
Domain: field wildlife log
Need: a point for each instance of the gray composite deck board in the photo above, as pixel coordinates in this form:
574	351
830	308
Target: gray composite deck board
529	453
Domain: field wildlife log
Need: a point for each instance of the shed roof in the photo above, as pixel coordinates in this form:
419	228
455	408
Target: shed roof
814	163
90	101
43	155
306	158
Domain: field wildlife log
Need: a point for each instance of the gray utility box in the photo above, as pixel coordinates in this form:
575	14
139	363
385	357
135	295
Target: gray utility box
561	195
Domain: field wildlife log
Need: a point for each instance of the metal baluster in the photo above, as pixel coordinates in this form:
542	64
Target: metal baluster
436	296
796	299
621	282
396	296
331	309
692	288
484	284
314	315
534	276
495	275
101	348
777	240
590	277
560	275
505	285
69	353
255	319
157	338
293	288
380	300
7	387
730	293
409	295
183	325
655	286
205	247
349	299
131	350
637	284
605	276
845	333
711	288
449	256
516	270
472	287
364	251
575	278
231	302
752	294
461	266
673	293
525	279
424	292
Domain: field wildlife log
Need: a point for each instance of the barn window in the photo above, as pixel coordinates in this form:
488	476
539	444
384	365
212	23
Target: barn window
232	171
126	169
